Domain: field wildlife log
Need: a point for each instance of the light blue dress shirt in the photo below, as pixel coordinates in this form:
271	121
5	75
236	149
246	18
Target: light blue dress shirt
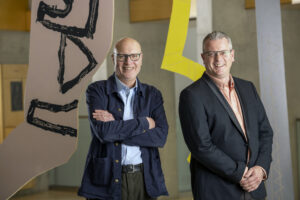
131	155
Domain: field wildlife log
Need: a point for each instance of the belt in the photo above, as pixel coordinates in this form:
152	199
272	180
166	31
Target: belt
132	168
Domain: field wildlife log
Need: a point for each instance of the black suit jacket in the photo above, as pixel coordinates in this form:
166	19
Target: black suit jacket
216	140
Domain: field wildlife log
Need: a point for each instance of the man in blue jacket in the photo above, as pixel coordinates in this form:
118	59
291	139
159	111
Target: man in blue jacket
128	124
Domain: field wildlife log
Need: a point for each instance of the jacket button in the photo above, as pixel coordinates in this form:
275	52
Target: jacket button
116	144
117	161
144	131
119	109
117	180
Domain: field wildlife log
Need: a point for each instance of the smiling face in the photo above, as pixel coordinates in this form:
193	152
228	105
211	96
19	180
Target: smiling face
127	70
218	64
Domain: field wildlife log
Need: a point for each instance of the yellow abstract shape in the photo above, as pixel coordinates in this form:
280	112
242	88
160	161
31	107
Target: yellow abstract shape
189	158
173	59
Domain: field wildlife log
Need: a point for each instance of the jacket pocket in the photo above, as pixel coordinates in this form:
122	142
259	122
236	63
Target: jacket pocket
101	169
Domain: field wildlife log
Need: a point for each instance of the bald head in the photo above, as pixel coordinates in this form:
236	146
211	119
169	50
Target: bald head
127	58
125	43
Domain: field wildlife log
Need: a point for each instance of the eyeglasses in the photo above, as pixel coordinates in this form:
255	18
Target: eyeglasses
123	57
212	54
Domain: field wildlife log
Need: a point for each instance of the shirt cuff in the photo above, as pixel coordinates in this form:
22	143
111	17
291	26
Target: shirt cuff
264	172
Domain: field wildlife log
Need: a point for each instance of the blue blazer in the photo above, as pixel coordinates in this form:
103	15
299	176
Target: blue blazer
216	140
102	174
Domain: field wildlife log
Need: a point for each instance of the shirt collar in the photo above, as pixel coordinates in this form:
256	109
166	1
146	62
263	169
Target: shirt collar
111	86
220	84
121	86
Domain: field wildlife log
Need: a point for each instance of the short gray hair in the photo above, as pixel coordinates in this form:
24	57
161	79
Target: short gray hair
215	35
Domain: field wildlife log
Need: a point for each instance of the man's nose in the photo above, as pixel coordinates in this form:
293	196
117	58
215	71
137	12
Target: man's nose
218	55
127	59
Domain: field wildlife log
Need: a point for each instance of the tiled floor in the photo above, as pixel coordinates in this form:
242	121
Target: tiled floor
50	195
68	195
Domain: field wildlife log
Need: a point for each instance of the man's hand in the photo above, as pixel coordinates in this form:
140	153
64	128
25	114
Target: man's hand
243	178
151	122
103	115
252	179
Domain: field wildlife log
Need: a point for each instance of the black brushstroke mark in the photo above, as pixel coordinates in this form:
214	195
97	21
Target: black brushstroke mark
64	87
67	32
61	59
52	11
87	31
64	130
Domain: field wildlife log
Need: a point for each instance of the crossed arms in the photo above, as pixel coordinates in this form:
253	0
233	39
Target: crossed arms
146	131
105	116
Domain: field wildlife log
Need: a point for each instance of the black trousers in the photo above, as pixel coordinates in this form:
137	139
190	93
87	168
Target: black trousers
247	196
133	187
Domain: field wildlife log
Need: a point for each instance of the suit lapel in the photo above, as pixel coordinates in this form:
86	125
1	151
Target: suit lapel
243	105
224	102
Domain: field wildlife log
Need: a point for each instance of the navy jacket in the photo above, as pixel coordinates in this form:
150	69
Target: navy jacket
216	140
102	174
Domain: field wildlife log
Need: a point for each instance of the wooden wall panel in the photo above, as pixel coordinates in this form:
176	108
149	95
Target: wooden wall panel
1	109
12	74
251	3
13	15
148	10
28	20
7	131
30	184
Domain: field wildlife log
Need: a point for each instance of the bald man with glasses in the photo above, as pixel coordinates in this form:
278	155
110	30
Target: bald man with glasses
128	124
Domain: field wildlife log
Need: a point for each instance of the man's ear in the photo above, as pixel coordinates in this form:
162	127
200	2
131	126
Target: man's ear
232	55
202	56
113	58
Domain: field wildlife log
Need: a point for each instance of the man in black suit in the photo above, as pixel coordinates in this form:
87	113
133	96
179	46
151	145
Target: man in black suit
226	129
